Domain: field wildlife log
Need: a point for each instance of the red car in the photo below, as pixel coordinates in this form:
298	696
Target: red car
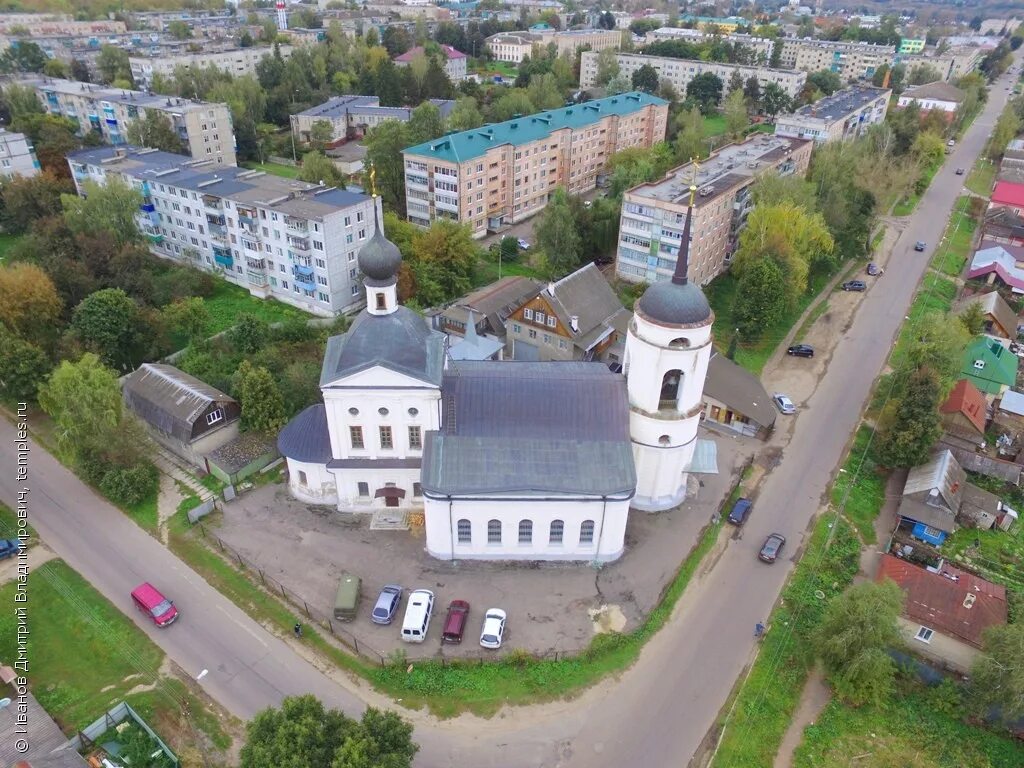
455	622
151	602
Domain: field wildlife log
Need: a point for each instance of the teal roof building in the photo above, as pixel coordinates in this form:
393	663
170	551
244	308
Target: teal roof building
989	365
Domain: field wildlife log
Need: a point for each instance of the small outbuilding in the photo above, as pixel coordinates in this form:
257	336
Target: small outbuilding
735	399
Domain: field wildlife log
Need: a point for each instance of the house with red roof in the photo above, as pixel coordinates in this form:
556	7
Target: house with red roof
1009	195
946	611
454	65
964	415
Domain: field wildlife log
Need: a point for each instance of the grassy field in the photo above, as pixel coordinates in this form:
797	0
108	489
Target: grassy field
982	177
714	125
229	301
487	269
913	730
287	171
144	514
860	488
721	293
951	256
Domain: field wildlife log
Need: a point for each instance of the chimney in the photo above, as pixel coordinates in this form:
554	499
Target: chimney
574	323
551	289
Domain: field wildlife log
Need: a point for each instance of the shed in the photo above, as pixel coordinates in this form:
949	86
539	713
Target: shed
735	399
979	509
1008	417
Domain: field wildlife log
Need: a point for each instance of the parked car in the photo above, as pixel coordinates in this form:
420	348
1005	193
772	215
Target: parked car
740	510
772	547
346	599
151	602
9	548
455	622
959	171
919	245
417	616
783	403
951	143
494	628
387	604
525	245
801	350
872	268
854	285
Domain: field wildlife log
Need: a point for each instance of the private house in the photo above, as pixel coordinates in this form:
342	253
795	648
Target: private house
990	366
946	611
454	61
1000	320
964	415
931	499
735	399
1004	227
577	318
1008	417
183	414
33	737
979	509
473	346
999	261
939	95
1009	195
491	306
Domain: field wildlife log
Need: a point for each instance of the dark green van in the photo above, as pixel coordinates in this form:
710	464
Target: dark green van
346	602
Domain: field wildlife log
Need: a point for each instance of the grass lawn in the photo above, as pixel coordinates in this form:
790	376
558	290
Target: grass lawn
487	269
144	513
714	125
861	486
952	255
911	731
999	554
288	171
982	177
502	68
935	295
229	301
906	206
7	242
721	293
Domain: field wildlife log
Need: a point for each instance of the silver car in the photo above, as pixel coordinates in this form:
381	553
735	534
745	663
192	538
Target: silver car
386	607
784	404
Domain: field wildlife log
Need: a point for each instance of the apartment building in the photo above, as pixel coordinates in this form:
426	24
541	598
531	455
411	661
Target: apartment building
845	114
500	174
511	47
761	46
205	128
653	214
17	157
234	61
454	61
281	238
680	72
951	64
352	116
851	61
32	24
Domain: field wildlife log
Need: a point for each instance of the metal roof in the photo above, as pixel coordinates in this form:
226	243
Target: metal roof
739	389
587	296
305	438
942	480
168	398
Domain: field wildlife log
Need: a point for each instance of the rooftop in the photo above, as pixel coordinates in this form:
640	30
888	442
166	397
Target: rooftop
447	50
289	196
1012	402
1008	193
340	106
939	89
118	95
466	145
965	398
731	166
842	103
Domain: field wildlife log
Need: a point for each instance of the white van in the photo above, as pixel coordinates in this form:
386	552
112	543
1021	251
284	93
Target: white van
417	616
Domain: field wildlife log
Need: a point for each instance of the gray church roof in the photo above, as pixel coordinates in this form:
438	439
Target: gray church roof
401	341
531	428
305	438
168	398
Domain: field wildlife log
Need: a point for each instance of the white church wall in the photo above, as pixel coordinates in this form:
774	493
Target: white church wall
649	357
311	483
351	498
442	529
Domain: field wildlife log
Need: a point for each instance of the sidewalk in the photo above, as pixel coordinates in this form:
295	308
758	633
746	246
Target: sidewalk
173	467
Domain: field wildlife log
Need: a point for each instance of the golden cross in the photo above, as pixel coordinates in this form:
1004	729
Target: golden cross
373	180
693	178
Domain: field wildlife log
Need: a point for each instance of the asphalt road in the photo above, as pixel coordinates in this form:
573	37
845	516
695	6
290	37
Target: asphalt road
657	713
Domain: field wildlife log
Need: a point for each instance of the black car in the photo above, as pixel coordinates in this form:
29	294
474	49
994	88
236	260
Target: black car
740	510
873	269
801	350
919	245
854	285
959	171
772	547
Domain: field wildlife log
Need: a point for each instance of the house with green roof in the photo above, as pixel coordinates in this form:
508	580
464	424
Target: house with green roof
990	366
499	174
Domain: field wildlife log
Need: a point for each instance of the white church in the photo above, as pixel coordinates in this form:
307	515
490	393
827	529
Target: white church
507	460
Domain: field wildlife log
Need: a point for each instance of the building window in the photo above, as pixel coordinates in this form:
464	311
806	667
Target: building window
527	314
924	635
494	531
587	532
214	416
417	489
465	531
552	321
415	439
386	441
356	435
302	478
670	388
557	531
364	489
526	531
381	301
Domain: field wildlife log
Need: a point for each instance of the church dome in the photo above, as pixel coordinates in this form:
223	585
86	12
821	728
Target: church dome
670	303
380	259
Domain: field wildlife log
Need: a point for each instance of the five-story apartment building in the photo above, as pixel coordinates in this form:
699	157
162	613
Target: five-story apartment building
282	238
500	174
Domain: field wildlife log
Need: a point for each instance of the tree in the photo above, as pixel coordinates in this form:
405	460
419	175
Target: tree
735	82
879	77
110	324
465	115
24	56
973	318
443	259
557	237
928	148
321	132
56	68
249	333
261	399
189	317
939	346
317	168
690	141
23	367
760	298
826	81
112	64
179	30
772	189
425	123
83	399
396	40
155	131
752	93
923	73
915	427
29	304
108	211
384	145
706	90
54	138
303	733
515	102
607	65
618	84
774	100
997	675
27	199
854	637
1005	129
645	79
735	110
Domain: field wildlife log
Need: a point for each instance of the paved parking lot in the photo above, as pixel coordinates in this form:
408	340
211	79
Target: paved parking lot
306	548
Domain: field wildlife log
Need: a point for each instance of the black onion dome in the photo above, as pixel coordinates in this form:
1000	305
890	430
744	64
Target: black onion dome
380	259
673	304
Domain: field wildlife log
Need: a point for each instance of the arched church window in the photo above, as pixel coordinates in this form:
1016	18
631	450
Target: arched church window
557	531
587	532
680	343
526	531
670	384
494	531
664	440
465	531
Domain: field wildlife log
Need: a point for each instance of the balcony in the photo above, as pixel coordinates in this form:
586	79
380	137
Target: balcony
215	220
154	237
301	272
299	245
255	264
256	278
296	225
213	202
247	217
223	257
304	261
147	208
306	284
217	231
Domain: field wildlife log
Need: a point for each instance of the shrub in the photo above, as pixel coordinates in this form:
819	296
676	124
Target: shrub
131	486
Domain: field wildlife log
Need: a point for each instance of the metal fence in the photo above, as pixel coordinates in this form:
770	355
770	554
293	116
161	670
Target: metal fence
111	719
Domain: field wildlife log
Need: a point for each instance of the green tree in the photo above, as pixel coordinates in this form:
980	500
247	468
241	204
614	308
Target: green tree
189	317
465	115
179	30
444	257
760	298
645	79
735	82
557	237
607	65
27	199
318	168
706	90
878	78
923	73
509	248
914	428
854	637
23	367
1006	127
735	110
26	56
249	333
425	123
21	100
154	131
261	399
772	189
107	211
384	145
997	675
691	140
826	81
30	306
752	93
83	399
973	318
321	132
939	346
928	148
56	68
618	84
775	100
112	64
110	324
515	102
